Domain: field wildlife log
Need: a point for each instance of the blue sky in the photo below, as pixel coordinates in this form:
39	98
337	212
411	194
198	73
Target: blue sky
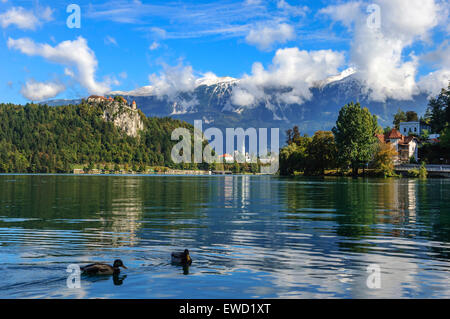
127	44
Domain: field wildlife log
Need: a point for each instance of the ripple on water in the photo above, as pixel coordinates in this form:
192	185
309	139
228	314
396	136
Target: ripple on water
249	236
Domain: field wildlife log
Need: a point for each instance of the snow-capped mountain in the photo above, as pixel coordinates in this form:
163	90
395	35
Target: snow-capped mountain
210	101
346	73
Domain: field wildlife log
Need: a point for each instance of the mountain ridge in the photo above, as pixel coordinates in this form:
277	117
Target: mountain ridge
211	102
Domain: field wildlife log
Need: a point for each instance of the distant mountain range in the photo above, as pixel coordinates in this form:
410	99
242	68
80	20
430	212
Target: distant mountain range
210	101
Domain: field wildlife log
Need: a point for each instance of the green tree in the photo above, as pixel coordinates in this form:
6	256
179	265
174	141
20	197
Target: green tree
411	116
438	112
118	98
254	168
423	171
399	117
445	138
425	135
355	136
384	159
293	135
293	157
321	152
236	168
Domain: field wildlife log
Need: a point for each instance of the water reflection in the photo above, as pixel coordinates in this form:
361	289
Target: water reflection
250	236
118	279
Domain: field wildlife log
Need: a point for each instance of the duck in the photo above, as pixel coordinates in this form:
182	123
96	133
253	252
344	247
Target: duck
182	257
103	269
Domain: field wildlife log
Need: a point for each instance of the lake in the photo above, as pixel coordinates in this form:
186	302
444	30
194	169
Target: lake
249	236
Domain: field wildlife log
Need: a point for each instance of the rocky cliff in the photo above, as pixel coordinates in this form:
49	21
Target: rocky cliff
118	111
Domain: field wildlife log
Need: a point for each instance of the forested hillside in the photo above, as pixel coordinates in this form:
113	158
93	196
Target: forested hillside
42	139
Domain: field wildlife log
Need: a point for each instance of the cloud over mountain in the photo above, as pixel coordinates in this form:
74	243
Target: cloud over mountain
378	52
292	69
399	58
172	81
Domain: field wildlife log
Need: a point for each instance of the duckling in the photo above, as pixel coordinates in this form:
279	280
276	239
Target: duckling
103	269
182	257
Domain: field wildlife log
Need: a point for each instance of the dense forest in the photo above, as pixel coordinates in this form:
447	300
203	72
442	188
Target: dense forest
42	139
438	117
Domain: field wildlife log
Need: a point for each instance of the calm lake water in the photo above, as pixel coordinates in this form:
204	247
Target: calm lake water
249	236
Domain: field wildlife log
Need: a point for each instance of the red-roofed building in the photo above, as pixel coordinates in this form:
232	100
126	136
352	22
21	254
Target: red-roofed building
227	158
394	134
406	146
380	137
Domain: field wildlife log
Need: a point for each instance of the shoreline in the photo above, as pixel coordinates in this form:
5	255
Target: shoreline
233	174
132	175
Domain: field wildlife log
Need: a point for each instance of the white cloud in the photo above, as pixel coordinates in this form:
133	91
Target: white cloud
72	54
46	13
25	19
292	10
190	20
408	19
296	71
154	46
265	36
435	81
110	80
243	98
69	72
172	81
378	54
292	70
19	17
110	40
345	13
440	59
252	2
38	91
160	33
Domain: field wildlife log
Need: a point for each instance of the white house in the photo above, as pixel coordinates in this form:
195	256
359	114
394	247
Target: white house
406	146
413	127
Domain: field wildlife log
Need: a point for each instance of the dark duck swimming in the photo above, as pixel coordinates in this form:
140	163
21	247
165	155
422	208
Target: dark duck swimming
103	269
182	257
